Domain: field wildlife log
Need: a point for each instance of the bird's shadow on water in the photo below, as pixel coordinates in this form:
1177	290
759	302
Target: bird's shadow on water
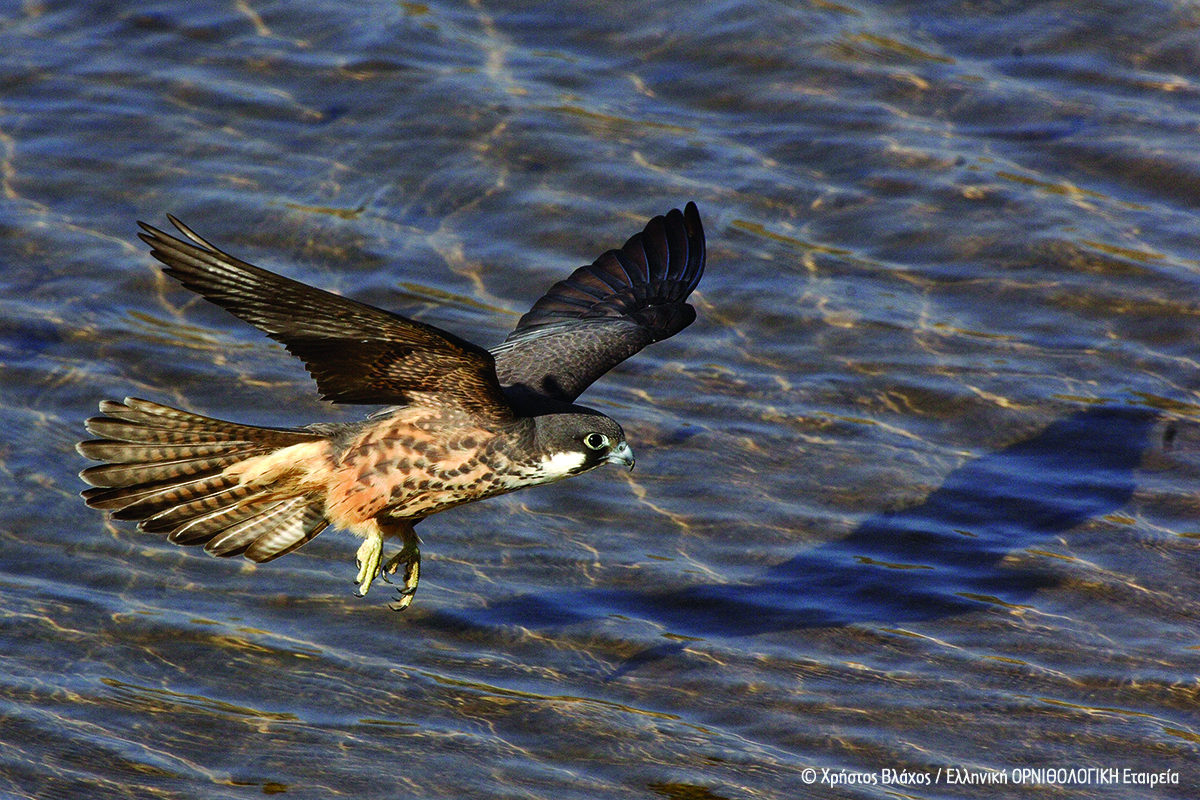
937	558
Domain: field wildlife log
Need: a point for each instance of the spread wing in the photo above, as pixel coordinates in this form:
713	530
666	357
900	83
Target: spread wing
356	353
607	311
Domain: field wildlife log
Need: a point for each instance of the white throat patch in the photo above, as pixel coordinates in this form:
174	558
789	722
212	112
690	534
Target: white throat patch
562	464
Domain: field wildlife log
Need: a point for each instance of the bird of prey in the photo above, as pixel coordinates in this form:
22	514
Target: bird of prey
461	424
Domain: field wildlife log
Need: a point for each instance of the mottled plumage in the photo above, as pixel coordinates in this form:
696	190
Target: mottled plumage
463	423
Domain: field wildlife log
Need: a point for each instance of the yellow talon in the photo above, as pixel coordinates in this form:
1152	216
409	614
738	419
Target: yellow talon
368	558
410	557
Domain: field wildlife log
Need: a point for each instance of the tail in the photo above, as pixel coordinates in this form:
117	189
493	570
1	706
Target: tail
171	471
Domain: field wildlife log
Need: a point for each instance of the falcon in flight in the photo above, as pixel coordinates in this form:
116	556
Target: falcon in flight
462	423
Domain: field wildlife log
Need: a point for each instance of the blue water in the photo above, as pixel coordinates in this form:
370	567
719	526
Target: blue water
916	492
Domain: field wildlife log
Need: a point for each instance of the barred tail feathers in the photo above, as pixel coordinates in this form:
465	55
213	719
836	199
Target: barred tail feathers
201	480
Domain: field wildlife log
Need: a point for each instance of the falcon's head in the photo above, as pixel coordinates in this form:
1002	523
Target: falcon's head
571	443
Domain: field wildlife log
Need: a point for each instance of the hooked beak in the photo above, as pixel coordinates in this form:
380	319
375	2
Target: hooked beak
621	454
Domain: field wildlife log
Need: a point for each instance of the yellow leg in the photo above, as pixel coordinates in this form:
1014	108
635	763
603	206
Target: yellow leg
368	558
410	557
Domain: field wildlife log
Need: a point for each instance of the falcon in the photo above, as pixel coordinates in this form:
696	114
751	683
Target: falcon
460	423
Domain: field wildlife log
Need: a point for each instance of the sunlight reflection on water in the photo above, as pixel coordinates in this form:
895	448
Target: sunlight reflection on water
902	499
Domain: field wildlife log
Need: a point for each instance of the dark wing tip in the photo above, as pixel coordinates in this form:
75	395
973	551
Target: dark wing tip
695	235
647	280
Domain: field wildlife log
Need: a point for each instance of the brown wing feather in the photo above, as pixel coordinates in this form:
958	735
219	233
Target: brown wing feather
356	353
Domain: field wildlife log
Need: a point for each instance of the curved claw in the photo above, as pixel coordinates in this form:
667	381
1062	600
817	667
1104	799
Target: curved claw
403	600
410	557
368	557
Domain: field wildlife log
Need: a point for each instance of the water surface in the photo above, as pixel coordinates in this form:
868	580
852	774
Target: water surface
916	492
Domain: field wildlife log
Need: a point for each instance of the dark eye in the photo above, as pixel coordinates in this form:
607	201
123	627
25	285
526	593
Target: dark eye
595	441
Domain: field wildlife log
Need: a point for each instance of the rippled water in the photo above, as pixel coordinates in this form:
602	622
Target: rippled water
917	492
